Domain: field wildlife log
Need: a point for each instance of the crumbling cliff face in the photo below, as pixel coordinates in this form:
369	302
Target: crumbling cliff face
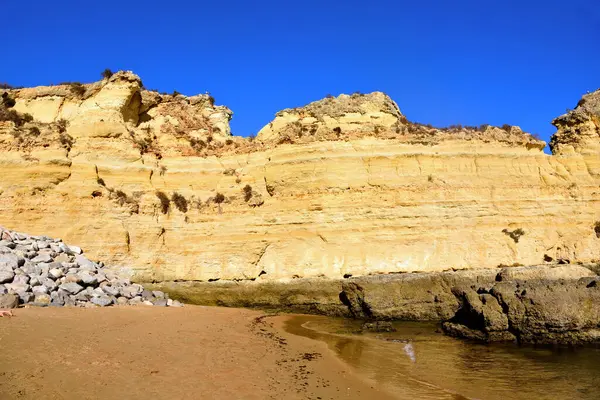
345	186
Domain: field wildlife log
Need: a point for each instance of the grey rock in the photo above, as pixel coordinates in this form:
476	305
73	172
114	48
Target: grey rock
26	297
49	283
131	291
12	260
122	300
42	257
9	301
43	245
84	263
23	279
74	249
42	299
29	268
71	287
87	278
62	258
35	280
169	302
160	302
55	273
158	294
44	268
147	294
102	301
379	326
100	277
135	301
70	301
18	288
6	243
72	277
147	303
113	291
83	296
41	289
6	276
98	292
176	304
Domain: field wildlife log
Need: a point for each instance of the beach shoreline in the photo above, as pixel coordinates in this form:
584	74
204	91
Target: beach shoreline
190	352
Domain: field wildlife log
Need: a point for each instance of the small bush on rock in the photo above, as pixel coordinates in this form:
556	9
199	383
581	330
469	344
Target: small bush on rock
597	229
514	235
107	73
62	124
165	203
180	202
219	198
7	101
77	88
247	193
11	115
66	141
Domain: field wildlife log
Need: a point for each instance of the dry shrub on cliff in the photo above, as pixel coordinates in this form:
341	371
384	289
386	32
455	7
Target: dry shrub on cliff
123	199
107	73
34	130
165	203
219	198
62	124
11	115
180	202
7	101
597	229
247	193
66	141
514	235
77	88
197	144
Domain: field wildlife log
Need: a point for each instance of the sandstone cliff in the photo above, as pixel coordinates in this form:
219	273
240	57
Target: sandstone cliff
344	186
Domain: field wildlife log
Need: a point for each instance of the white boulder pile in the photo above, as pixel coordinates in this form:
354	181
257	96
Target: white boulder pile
40	271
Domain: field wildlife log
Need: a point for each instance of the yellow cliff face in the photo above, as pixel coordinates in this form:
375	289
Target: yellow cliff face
154	195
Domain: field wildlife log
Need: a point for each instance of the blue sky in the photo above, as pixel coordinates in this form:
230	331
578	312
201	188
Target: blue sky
444	62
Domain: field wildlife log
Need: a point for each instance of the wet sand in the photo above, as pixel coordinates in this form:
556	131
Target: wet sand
168	353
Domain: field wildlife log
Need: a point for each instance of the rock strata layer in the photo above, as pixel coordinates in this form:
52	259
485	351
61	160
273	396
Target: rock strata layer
40	271
345	186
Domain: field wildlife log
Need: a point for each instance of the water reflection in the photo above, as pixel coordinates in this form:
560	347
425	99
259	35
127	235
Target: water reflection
447	368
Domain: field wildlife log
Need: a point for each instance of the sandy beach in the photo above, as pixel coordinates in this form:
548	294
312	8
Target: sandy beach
188	353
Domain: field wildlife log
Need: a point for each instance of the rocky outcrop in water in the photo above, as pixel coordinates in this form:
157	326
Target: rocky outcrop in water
565	311
40	271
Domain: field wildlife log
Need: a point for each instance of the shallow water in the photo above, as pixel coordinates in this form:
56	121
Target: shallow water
448	368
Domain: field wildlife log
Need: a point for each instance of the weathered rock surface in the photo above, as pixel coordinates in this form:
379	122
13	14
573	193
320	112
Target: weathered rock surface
579	129
62	277
537	311
156	184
